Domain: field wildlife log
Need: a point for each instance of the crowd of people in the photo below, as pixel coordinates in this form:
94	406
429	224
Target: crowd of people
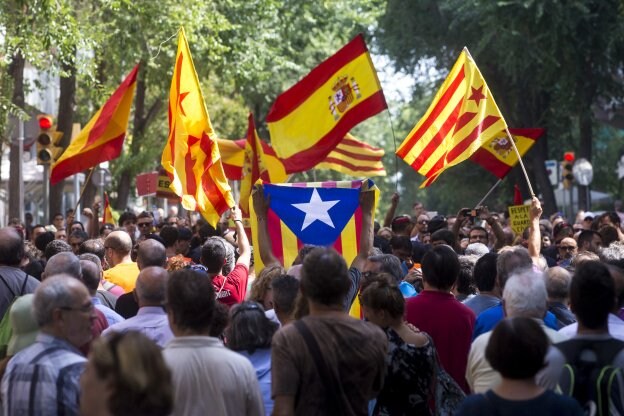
434	315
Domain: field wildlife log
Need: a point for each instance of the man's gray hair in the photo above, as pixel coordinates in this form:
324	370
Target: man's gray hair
509	260
54	292
477	249
558	282
230	255
389	263
525	294
63	263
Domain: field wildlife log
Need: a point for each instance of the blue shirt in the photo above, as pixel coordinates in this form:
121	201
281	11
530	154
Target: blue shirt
43	379
261	361
487	320
111	316
151	321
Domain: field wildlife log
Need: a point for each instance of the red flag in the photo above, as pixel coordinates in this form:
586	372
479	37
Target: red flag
102	138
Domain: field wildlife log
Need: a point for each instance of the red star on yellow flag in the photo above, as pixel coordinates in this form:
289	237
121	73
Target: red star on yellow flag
477	94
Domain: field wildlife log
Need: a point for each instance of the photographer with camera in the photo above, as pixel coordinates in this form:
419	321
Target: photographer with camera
476	219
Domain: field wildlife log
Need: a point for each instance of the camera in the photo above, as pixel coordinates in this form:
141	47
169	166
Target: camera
472	213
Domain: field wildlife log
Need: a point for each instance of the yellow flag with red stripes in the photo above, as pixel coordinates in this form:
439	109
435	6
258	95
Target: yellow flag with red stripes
191	156
461	118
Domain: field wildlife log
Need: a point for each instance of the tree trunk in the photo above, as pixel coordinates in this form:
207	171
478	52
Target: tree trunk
64	123
123	191
16	70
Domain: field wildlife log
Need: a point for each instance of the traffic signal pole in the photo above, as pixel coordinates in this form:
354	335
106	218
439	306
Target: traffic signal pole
46	193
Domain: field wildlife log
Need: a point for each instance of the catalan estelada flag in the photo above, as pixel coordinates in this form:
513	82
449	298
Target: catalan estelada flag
351	157
356	158
107	214
191	156
103	136
497	155
462	117
317	213
307	121
256	166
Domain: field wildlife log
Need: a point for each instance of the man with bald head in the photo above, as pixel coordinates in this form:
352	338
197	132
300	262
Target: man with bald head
123	271
63	263
13	281
151	319
151	253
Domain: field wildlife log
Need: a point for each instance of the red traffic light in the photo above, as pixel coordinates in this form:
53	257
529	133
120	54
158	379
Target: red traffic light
568	156
45	121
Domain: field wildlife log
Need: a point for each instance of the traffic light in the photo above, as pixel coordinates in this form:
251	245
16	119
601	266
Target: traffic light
47	151
566	171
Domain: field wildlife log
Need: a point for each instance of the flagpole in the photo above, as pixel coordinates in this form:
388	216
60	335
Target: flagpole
526	176
488	193
396	165
84	187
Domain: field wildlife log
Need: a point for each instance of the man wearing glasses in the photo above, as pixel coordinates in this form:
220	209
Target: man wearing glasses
145	223
44	377
567	250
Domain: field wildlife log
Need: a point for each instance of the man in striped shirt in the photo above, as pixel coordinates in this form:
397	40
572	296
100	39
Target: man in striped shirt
43	379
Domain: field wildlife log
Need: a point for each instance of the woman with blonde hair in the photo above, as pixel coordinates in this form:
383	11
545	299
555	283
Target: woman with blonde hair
260	290
126	375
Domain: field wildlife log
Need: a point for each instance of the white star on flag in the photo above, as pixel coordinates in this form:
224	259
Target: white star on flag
316	210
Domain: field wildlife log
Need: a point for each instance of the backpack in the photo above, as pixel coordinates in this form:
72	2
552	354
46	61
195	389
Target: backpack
6	330
590	377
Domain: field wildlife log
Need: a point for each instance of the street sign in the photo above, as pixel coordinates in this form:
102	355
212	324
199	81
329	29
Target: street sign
552	170
583	172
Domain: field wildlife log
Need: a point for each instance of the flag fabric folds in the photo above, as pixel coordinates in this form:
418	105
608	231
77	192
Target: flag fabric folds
107	213
497	155
462	116
103	136
307	121
354	157
351	157
232	157
255	167
318	213
191	156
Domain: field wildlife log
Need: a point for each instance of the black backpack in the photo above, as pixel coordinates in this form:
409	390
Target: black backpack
590	377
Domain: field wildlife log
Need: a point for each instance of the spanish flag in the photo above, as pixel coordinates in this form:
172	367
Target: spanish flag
103	136
498	156
255	166
191	156
307	121
462	117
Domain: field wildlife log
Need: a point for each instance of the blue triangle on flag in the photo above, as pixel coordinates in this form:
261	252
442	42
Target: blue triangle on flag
315	215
